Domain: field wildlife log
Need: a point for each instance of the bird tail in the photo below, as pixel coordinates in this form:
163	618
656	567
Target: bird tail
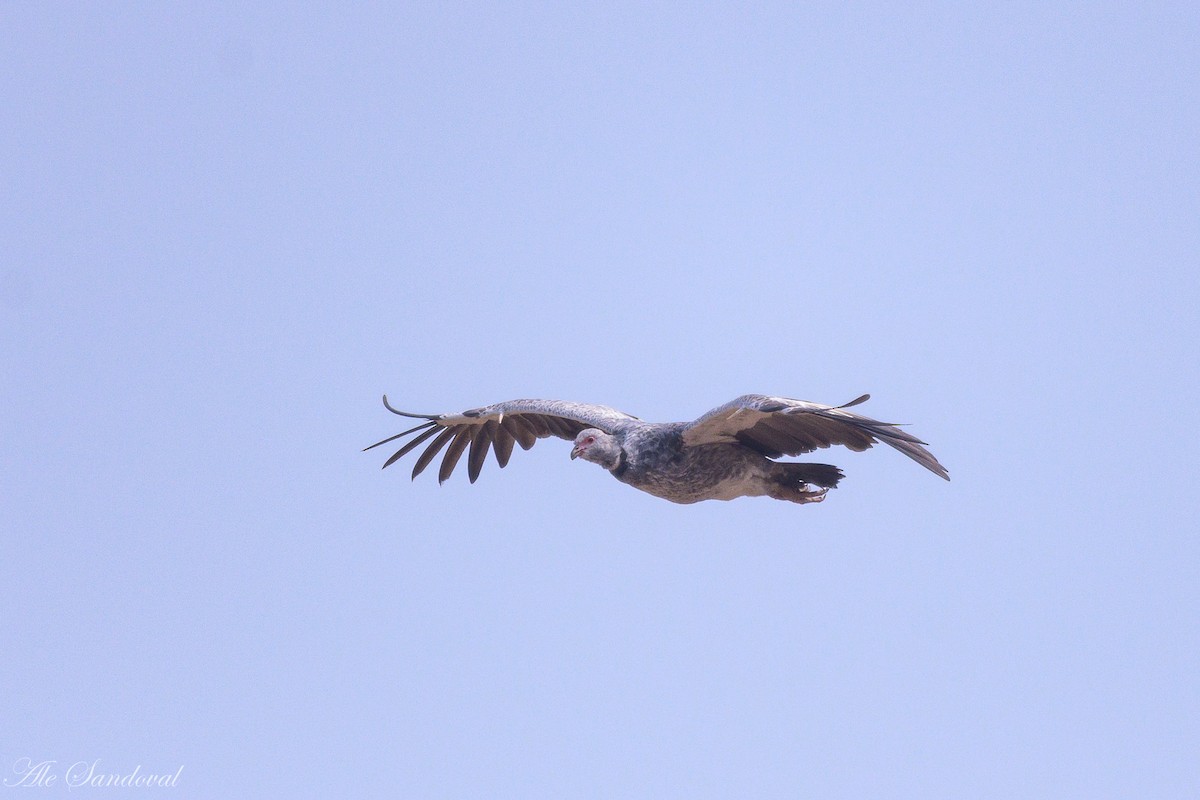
824	475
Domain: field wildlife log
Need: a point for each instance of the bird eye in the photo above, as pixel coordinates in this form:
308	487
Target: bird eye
590	440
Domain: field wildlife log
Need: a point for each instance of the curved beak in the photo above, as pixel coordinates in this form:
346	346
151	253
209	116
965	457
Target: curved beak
574	453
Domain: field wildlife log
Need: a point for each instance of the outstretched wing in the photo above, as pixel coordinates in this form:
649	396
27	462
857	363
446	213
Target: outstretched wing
777	426
497	427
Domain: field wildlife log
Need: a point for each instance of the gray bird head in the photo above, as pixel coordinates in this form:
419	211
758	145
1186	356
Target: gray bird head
593	444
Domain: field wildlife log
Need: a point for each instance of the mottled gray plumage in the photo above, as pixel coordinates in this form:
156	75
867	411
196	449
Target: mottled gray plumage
729	452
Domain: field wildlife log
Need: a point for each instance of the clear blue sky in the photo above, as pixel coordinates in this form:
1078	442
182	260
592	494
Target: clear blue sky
226	232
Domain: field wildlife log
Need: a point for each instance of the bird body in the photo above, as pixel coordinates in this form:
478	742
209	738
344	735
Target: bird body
658	462
727	453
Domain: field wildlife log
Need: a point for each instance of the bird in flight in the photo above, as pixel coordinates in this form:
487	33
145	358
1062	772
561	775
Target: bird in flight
728	452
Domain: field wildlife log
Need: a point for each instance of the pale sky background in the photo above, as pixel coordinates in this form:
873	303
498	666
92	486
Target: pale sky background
226	232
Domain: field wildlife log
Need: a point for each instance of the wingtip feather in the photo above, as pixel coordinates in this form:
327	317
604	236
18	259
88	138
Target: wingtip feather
397	411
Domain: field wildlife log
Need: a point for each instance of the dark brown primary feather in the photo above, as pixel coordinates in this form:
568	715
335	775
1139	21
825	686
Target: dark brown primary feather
502	445
521	430
399	435
403	451
479	449
462	437
432	451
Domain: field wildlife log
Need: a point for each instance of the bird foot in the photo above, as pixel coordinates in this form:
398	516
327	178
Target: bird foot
811	496
804	493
